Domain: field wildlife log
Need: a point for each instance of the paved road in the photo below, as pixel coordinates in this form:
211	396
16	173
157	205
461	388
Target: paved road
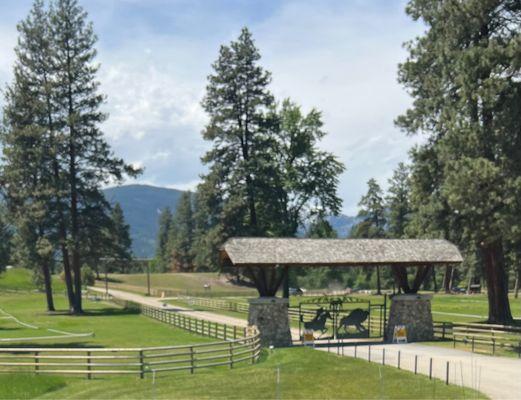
497	377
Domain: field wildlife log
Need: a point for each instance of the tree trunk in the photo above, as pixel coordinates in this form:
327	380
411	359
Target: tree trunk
68	275
378	281
434	280
497	286
516	287
447	279
48	285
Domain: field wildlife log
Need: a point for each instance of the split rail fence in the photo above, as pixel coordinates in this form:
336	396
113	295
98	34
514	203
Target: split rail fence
481	338
239	345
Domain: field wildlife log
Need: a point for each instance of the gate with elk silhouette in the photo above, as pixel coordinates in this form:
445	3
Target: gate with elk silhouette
342	317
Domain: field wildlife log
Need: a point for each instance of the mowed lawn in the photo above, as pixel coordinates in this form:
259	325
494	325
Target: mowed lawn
112	326
179	283
17	279
296	373
303	372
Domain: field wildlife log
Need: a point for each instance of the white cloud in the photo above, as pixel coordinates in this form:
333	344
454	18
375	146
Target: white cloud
338	56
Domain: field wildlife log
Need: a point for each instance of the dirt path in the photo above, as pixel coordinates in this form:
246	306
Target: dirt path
497	377
158	302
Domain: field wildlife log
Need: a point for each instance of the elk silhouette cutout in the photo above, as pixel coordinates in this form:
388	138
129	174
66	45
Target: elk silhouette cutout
355	318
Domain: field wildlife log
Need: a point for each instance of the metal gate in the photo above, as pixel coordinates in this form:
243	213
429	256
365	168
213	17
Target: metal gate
346	317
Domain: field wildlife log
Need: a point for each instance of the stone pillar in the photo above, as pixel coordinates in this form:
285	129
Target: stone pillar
270	315
413	311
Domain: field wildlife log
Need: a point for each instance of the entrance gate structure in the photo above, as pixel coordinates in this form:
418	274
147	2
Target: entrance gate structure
266	262
342	317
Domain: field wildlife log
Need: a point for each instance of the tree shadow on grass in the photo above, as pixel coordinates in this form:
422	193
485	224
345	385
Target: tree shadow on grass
101	312
110	312
60	345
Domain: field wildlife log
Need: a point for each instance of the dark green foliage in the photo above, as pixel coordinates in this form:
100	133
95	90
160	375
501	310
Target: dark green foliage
120	242
372	225
463	74
163	254
372	213
398	203
5	239
266	174
181	235
56	158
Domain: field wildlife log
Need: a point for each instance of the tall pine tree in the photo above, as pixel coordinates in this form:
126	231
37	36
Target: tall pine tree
463	74
27	147
266	174
163	255
372	226
182	234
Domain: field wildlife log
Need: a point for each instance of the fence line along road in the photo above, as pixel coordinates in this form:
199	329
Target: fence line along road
239	345
497	377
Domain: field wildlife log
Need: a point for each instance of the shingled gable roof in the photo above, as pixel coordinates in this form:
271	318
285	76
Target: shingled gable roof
337	252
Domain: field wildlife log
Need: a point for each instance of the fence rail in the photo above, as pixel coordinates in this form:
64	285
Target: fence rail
375	323
239	345
481	337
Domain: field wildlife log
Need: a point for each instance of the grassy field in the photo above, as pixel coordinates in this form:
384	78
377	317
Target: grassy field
304	373
178	284
22	279
112	326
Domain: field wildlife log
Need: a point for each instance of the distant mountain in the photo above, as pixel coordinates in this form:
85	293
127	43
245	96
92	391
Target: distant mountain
141	206
342	224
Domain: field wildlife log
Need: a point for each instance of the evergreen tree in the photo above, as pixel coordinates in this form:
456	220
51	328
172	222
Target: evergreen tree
372	212
237	101
266	174
121	243
397	202
27	151
56	156
87	159
463	74
163	255
182	234
5	239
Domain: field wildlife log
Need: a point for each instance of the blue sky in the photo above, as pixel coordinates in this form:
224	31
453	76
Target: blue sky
338	56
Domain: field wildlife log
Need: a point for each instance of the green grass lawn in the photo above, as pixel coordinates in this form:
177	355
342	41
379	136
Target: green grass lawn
304	373
22	279
178	284
112	326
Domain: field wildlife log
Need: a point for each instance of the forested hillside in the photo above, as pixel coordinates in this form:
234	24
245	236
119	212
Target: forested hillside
141	206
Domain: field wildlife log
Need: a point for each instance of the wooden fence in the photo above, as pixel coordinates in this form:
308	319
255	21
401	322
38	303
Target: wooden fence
486	338
240	345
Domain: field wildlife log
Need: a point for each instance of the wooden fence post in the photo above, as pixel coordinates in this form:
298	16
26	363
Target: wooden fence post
231	355
142	364
36	361
447	374
191	360
89	375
